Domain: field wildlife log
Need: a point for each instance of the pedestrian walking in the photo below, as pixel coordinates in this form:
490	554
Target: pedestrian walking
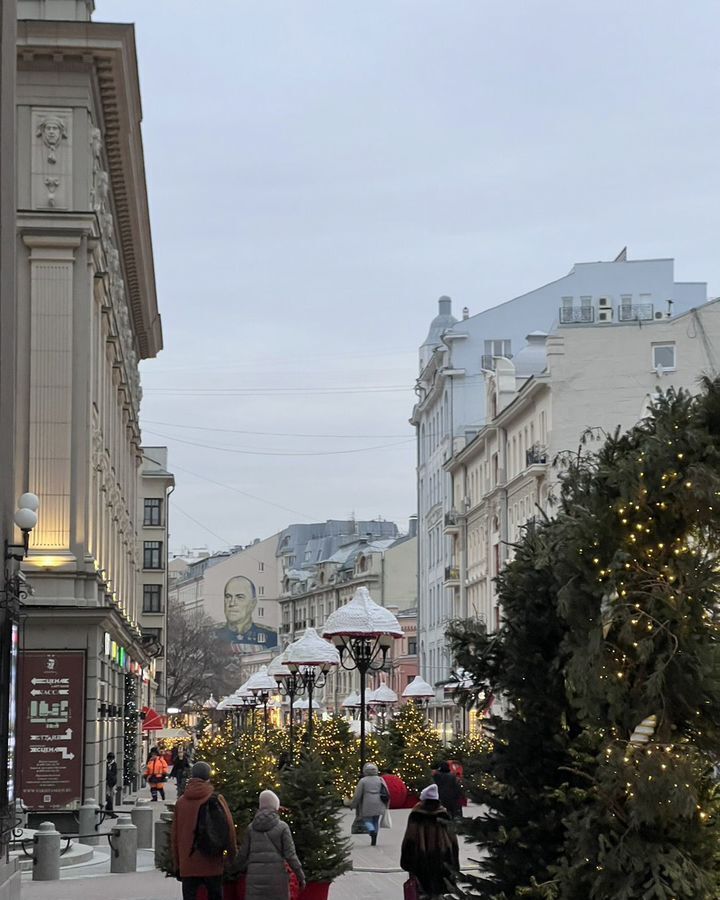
450	790
180	770
268	853
203	836
371	800
156	774
429	850
111	777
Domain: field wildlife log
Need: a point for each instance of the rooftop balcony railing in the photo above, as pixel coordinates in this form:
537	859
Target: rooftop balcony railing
577	315
635	312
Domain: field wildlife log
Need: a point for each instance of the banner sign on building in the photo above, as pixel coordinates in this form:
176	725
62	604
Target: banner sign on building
51	721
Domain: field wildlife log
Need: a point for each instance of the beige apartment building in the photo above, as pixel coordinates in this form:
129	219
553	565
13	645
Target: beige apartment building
156	485
86	315
388	569
579	379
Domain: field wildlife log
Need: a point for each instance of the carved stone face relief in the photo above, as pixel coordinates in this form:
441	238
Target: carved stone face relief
52	131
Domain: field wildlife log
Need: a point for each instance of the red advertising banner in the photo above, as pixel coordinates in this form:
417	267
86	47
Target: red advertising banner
51	719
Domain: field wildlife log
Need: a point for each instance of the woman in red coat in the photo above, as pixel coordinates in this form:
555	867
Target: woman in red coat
397	789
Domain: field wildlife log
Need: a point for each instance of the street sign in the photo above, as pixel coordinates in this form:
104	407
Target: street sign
51	722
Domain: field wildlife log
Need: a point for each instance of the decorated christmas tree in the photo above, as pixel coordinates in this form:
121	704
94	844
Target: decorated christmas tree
310	797
514	777
412	746
608	666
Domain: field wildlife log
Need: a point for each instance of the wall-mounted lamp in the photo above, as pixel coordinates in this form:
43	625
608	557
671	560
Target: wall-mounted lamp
26	519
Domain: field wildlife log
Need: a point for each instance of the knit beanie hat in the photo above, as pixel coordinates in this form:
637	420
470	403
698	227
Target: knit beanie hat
430	793
201	770
269	800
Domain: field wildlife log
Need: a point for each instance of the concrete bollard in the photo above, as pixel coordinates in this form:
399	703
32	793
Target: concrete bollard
87	820
123	856
46	853
142	819
162	840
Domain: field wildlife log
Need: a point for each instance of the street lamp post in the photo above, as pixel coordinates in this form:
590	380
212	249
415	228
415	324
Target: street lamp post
311	658
261	686
363	633
289	683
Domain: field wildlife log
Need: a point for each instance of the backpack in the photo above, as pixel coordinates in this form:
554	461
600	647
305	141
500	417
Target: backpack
212	832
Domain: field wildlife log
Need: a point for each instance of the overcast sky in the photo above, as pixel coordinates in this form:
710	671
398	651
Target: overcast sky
320	171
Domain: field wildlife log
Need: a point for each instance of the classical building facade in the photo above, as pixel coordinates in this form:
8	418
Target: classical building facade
583	379
451	406
87	314
156	486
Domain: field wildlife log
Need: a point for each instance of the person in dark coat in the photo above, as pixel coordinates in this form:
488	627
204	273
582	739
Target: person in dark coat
267	846
193	867
430	848
111	778
450	790
180	771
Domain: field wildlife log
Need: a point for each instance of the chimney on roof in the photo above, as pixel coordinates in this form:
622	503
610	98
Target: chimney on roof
412	526
466	312
445	306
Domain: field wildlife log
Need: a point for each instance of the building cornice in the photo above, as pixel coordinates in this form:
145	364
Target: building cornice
110	50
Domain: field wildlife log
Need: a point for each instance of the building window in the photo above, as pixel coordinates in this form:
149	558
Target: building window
261	611
153	511
412	646
152	555
152	598
261	638
261	567
663	356
261	590
154	633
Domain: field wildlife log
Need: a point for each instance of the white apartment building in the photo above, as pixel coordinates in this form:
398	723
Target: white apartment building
582	379
451	405
156	485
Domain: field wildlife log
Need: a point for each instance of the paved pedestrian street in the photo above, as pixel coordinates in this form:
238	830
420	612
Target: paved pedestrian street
376	874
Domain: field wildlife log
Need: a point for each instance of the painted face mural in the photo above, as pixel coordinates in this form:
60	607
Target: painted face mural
240	631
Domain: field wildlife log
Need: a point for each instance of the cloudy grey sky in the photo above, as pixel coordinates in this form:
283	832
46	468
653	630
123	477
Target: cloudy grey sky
320	171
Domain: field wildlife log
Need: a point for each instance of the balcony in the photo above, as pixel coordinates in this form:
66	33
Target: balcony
452	522
577	315
635	312
452	575
536	456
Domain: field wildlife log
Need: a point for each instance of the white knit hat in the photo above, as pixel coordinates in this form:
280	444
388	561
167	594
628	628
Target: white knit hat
270	800
430	793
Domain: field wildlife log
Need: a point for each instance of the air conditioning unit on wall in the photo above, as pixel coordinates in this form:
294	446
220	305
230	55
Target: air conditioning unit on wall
604	303
605	315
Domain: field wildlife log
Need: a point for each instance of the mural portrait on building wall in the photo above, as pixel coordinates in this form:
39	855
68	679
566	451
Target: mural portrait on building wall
240	633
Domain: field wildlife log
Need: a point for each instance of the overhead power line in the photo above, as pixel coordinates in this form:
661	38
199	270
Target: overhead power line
292	434
265	452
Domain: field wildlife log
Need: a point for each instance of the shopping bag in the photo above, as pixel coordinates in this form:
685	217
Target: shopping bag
386	821
359	825
410	889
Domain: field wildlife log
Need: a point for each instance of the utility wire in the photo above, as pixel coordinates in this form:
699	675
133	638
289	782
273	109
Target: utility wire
291	434
246	452
175	506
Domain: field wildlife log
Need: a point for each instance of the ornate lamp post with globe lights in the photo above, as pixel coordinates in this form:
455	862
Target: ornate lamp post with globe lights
311	658
261	686
419	691
363	633
290	684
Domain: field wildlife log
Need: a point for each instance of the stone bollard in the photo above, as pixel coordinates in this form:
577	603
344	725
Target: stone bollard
46	853
87	820
142	819
123	846
162	840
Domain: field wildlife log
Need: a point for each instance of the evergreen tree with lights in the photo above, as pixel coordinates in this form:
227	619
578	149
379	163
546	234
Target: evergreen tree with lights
640	529
515	776
412	746
624	581
309	796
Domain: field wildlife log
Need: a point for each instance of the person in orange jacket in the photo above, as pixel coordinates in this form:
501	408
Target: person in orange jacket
156	774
